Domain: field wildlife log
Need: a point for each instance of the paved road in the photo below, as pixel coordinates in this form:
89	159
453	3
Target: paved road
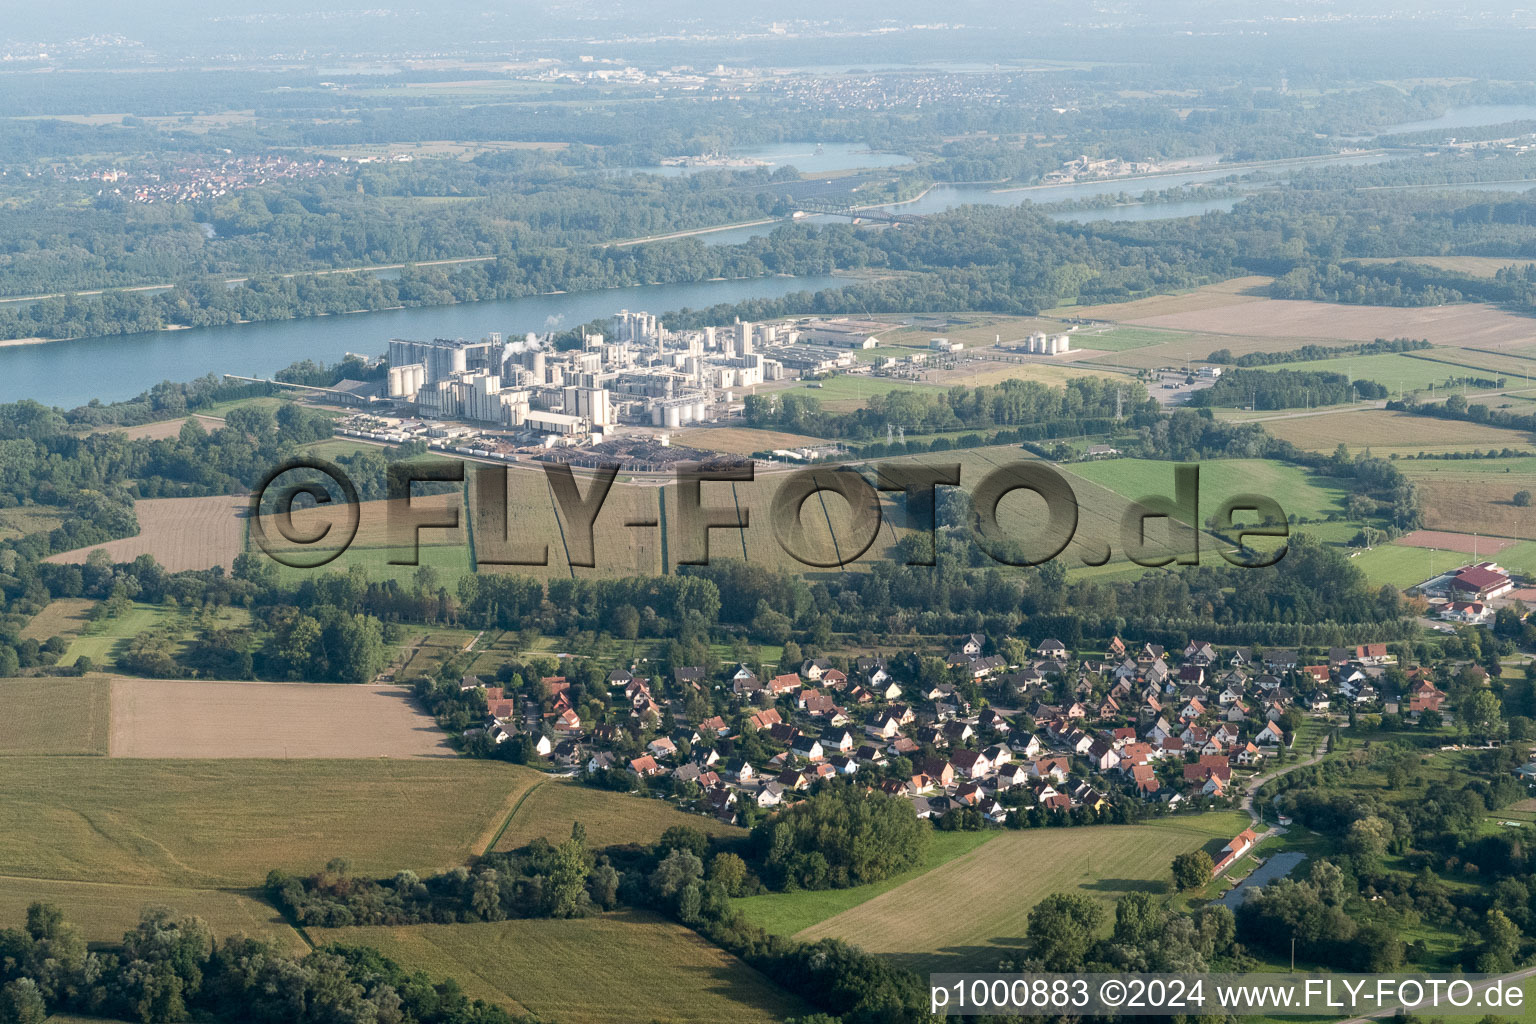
1258	781
1519	975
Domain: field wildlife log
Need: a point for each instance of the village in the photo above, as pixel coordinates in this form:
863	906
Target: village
999	733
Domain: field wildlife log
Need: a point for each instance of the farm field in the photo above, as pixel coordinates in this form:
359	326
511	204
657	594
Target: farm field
215	824
175	718
741	440
449	560
161	430
785	913
550	808
54	716
612	969
63	616
181	533
1056	374
1475	495
919	926
916	923
1397	372
373	522
1471	325
1300	493
1385	432
1119	338
1235	292
103	912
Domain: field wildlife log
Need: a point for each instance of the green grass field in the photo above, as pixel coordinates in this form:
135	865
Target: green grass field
1392	371
101	640
785	913
54	715
1123	339
1300	493
618	968
974	910
104	911
551	808
215	824
451	562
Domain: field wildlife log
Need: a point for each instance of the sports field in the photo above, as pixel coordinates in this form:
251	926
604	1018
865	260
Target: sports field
552	807
181	533
169	718
215	824
617	968
974	910
53	716
1405	566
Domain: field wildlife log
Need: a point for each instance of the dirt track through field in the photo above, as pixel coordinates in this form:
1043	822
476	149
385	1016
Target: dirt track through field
156	718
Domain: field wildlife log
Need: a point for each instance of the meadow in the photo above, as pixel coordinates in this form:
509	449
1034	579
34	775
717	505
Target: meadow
551	807
973	911
1299	492
217	824
1398	372
54	716
104	911
616	968
101	639
62	617
785	913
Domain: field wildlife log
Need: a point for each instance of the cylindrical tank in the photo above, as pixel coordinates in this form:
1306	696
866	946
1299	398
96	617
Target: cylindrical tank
674	416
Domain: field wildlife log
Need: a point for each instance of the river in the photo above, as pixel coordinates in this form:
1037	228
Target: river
71	373
1480	116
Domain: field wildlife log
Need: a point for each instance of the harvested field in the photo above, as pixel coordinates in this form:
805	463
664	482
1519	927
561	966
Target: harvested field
54	716
220	824
617	968
373	521
104	911
742	440
64	616
917	925
181	534
162	429
1236	292
550	809
172	718
1482	505
1384	431
1471	325
1445	541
